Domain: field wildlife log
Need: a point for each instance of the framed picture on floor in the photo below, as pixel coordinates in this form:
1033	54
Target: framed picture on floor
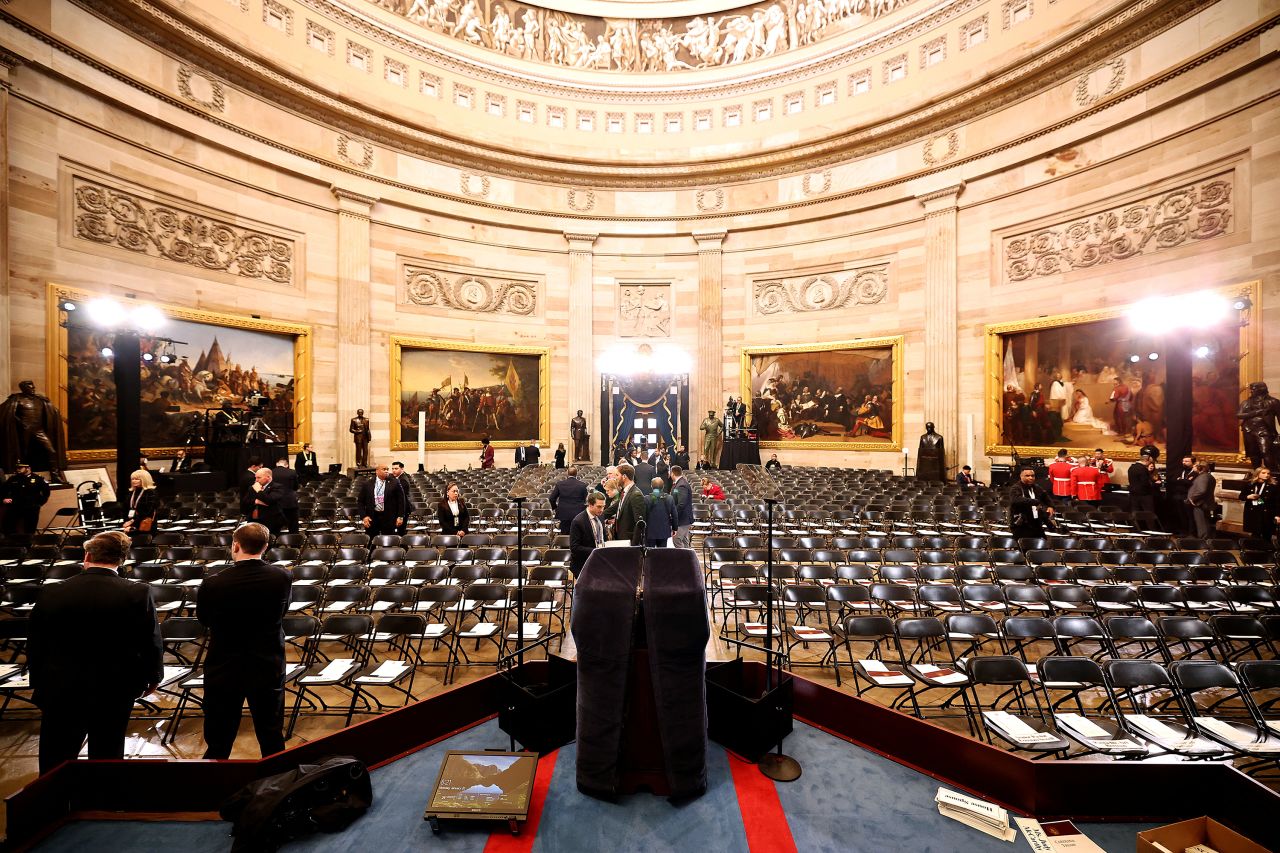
1096	379
467	392
845	395
198	360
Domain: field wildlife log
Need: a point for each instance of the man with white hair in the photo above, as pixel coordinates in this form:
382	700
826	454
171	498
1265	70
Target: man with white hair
268	501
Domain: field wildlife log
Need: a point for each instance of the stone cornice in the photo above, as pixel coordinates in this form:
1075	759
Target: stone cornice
350	201
580	241
941	200
1050	65
710	241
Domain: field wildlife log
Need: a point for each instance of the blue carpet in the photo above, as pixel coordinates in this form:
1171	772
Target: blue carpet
847	800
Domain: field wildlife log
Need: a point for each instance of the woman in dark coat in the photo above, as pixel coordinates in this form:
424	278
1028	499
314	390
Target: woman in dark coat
1261	497
560	454
455	518
141	504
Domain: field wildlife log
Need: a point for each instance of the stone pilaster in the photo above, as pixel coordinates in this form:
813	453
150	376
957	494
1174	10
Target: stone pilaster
941	339
583	392
354	305
8	62
708	379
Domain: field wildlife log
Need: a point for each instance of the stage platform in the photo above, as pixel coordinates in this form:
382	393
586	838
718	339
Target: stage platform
870	775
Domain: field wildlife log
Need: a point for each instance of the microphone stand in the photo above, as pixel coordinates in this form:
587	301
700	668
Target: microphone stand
774	765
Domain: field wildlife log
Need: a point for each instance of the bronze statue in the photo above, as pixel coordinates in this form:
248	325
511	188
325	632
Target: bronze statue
30	426
578	432
361	435
931	457
1258	415
713	441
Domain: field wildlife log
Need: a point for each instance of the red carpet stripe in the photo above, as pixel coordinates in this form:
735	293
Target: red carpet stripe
502	841
762	815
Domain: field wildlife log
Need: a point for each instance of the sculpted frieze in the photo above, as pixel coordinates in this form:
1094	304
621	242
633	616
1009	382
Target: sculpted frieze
473	291
1196	211
798	294
138	222
650	45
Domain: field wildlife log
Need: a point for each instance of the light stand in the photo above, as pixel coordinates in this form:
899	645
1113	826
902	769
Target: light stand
775	765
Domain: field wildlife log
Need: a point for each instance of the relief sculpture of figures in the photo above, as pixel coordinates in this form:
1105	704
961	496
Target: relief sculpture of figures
623	44
1258	415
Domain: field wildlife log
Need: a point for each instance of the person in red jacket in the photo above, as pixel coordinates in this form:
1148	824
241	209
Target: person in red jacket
1060	476
1105	468
1085	484
712	490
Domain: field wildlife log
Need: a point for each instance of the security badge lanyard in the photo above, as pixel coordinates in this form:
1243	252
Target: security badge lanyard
1035	508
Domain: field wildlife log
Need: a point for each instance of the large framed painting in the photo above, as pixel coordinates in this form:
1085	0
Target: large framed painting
1096	379
467	392
198	360
837	396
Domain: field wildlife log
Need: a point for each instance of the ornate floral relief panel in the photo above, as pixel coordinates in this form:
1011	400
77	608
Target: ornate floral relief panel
431	287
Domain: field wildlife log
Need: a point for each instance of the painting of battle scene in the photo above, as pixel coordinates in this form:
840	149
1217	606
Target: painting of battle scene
206	365
469	394
1101	384
832	397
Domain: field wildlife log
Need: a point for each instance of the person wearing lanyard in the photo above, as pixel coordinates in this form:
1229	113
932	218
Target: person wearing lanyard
452	512
1261	499
143	502
586	533
1029	508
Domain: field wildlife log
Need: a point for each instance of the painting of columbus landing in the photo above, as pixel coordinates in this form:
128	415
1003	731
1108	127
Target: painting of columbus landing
202	360
1096	380
826	396
467	392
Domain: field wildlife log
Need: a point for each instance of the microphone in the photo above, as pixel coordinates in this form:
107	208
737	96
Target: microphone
637	535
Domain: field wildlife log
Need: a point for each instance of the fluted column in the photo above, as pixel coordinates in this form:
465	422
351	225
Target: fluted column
354	303
941	340
583	393
7	62
708	388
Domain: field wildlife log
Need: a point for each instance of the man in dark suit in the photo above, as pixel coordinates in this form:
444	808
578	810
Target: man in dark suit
682	495
93	648
306	465
527	455
645	472
402	477
268	501
287	479
630	509
660	516
243	606
248	477
1029	506
181	463
568	498
382	503
965	479
586	533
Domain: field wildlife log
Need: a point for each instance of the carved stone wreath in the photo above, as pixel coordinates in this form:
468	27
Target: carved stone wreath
111	217
465	181
470	292
826	292
1193	212
1087	98
932	156
216	99
582	200
345	143
807	184
710	200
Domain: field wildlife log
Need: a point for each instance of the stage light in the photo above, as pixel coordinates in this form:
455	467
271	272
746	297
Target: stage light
107	352
1153	356
106	313
68	306
1200	352
166	359
1135	358
146	318
1167	313
1242	303
146	356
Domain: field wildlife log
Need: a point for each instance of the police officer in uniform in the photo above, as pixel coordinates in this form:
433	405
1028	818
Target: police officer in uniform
23	495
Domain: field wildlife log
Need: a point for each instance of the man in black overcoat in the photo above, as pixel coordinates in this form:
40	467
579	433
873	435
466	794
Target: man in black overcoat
243	607
382	503
568	498
1029	506
93	648
287	479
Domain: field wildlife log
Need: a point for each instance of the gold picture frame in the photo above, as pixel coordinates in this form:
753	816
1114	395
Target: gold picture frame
893	344
399	345
998	335
56	367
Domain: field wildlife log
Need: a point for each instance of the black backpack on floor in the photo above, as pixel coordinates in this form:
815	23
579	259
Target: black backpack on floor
324	797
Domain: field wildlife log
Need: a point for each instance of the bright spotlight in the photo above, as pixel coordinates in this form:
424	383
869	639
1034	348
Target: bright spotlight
1242	303
107	352
1153	356
1166	313
166	359
1134	358
68	306
1201	352
146	318
146	356
106	313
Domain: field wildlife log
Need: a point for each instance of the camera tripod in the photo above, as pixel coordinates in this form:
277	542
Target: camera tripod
259	430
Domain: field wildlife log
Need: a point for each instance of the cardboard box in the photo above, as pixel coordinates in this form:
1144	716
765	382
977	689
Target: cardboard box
1177	837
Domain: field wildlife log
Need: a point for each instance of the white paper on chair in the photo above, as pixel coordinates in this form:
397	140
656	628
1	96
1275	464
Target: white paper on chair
531	631
386	671
332	670
883	676
1016	729
1236	737
940	674
1153	727
1082	726
9	670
